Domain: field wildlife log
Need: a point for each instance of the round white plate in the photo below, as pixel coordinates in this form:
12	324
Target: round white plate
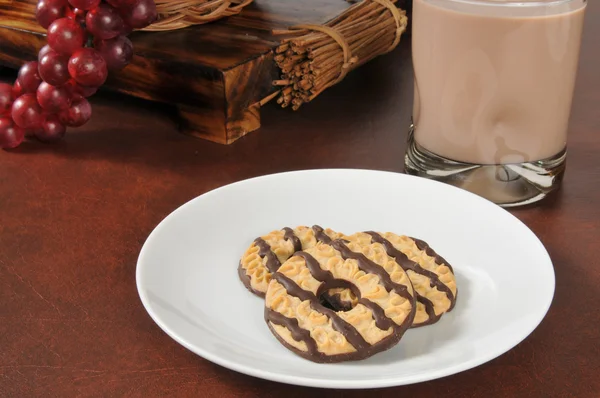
187	273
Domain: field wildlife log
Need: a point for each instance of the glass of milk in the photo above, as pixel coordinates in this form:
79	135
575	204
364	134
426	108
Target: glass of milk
494	83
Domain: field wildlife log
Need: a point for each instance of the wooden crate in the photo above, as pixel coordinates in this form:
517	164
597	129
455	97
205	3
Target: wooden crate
215	74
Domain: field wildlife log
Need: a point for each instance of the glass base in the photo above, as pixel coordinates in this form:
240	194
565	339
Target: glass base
507	185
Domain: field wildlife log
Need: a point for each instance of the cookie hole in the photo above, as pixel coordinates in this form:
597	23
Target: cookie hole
338	299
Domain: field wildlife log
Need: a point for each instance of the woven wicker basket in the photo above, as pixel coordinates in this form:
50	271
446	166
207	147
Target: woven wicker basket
179	14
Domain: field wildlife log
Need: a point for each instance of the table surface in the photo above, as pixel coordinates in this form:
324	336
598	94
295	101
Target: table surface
74	216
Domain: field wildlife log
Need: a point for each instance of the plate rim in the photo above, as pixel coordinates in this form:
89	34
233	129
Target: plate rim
336	383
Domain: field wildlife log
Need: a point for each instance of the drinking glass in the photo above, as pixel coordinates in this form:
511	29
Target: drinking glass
494	82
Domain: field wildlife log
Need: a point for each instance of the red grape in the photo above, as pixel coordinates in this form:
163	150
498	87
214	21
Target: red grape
104	22
6	98
53	99
76	15
78	91
139	15
26	112
11	135
50	92
77	115
29	78
65	36
52	130
84	4
48	11
17	89
86	91
88	68
53	68
43	51
117	52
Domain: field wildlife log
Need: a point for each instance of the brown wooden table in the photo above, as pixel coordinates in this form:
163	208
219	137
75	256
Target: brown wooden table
74	216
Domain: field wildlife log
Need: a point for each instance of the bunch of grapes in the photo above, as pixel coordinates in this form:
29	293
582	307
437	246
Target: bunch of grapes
86	39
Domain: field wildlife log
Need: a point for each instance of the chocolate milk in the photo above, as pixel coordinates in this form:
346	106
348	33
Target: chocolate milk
494	84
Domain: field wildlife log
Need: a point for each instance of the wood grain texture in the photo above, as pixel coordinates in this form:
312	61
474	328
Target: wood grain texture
74	216
245	85
193	68
209	124
19	14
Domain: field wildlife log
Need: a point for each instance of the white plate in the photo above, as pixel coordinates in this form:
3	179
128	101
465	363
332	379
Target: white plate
187	273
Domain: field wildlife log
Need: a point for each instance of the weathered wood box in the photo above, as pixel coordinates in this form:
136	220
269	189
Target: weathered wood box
215	74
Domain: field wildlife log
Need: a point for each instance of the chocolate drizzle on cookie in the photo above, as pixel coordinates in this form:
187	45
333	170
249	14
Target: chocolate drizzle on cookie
245	278
320	274
363	348
264	251
421	245
289	235
343	327
273	262
336	302
409	265
296	331
429	309
329	282
320	234
372	267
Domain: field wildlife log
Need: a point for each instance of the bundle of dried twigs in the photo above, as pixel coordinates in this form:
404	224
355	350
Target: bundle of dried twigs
315	57
179	14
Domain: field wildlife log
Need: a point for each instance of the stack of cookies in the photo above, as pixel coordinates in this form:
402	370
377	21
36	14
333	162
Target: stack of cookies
331	297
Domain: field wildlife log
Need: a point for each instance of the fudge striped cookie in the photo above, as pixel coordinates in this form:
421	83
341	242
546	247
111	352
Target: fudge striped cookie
266	254
431	275
385	306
